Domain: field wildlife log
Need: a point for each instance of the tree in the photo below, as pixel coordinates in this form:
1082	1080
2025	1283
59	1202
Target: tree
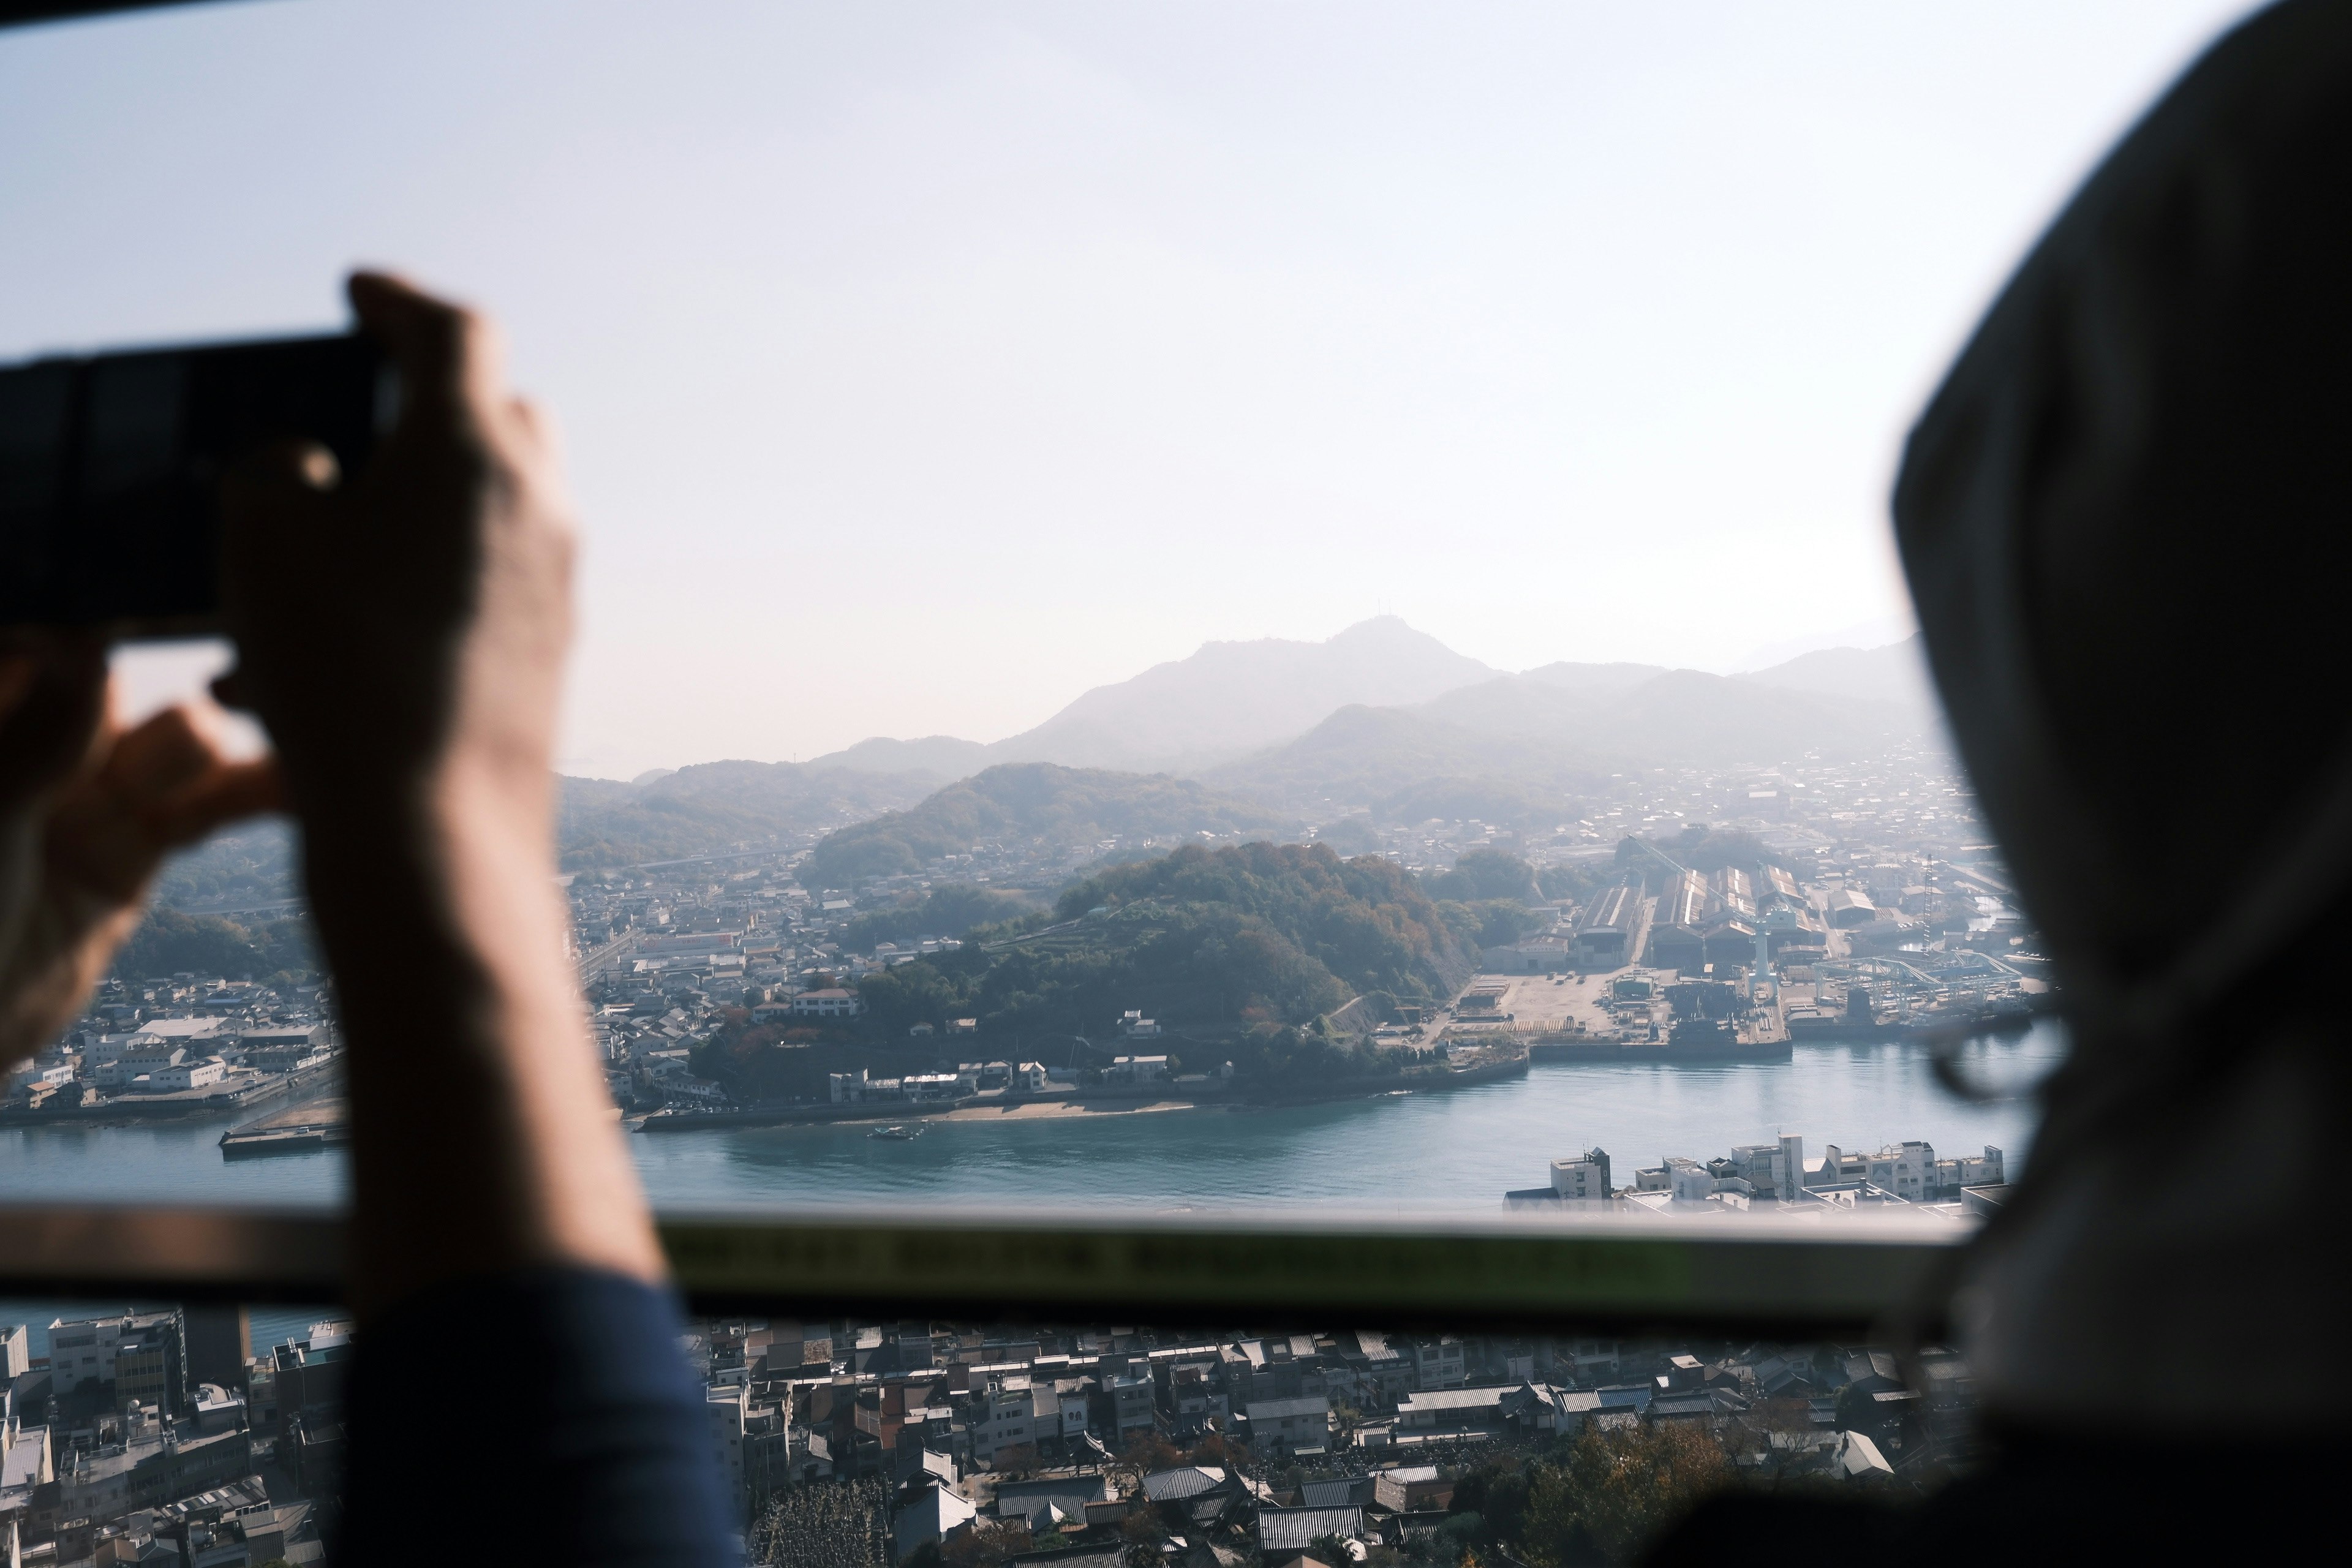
1144	1536
906	994
1458	1538
1345	1419
1147	1453
950	909
1330	1549
1619	1489
1580	880
1020	1460
1491	923
1217	1449
986	1545
1483	874
1496	1490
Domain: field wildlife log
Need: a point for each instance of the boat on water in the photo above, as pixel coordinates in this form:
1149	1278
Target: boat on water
896	1134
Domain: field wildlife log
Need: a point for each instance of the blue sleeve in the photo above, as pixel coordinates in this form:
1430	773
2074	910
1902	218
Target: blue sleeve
546	1415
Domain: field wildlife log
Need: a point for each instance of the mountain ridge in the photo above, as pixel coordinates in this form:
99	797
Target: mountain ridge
1183	716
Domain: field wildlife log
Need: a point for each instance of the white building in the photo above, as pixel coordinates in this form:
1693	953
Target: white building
198	1073
729	1406
35	1075
928	1519
1585	1176
1136	1069
82	1349
1908	1169
832	1001
1292	1423
1004	1415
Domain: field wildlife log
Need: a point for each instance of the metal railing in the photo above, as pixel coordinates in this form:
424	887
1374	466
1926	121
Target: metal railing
1748	1274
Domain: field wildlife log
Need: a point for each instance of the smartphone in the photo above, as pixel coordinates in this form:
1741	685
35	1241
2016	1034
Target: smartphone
110	465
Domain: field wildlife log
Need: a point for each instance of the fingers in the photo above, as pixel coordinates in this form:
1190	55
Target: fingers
169	751
452	365
55	702
225	793
160	786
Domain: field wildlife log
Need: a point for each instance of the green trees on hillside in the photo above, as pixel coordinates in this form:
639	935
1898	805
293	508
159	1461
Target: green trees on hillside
1485	874
1026	801
169	941
1489	922
951	909
712	806
1246	948
1602	1497
1366	920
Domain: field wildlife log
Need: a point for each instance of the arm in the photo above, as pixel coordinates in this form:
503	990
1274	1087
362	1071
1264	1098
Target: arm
403	638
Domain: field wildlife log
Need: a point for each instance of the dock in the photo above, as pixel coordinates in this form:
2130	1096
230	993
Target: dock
297	1130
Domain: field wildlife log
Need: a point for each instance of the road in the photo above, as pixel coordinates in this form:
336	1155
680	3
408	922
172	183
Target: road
590	962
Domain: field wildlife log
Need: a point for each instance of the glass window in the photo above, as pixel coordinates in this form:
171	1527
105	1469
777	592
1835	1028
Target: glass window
1203	609
1273	626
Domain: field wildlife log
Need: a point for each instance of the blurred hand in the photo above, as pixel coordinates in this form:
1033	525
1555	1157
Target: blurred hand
88	811
402	636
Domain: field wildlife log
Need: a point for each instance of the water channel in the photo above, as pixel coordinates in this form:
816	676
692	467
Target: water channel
1456	1152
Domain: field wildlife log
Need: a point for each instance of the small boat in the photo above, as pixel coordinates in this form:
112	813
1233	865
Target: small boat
896	1134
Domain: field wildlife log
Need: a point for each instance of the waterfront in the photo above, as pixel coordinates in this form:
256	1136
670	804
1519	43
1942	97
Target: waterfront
1422	1152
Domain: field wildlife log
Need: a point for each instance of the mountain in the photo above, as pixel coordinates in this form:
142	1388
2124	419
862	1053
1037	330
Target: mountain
1555	739
1055	807
670	816
1593	679
1231	698
942	756
1359	755
1226	700
1896	675
1222	946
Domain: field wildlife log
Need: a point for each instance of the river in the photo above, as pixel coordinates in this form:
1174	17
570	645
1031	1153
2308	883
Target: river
1422	1153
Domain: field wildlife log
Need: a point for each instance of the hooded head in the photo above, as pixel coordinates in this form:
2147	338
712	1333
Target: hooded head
2123	518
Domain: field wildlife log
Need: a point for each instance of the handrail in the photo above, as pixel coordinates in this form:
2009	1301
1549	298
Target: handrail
1742	1274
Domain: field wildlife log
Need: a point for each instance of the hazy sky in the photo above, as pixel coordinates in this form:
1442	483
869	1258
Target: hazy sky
924	366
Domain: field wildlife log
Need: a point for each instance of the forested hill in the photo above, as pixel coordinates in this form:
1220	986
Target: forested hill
713	806
1036	803
1365	921
1248	942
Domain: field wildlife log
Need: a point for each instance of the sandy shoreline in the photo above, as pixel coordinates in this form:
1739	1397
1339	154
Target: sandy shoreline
1036	1109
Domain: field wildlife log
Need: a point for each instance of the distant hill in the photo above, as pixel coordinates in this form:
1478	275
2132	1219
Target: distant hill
672	815
1228	699
942	756
1244	944
1553	739
1063	807
1593	679
1238	953
1365	719
1895	675
1359	755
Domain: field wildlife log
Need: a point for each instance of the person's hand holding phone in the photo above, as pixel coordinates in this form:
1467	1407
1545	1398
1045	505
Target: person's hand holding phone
401	635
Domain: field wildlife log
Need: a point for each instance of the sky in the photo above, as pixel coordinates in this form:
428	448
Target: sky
921	366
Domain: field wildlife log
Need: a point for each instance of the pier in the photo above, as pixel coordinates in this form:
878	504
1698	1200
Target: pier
296	1130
